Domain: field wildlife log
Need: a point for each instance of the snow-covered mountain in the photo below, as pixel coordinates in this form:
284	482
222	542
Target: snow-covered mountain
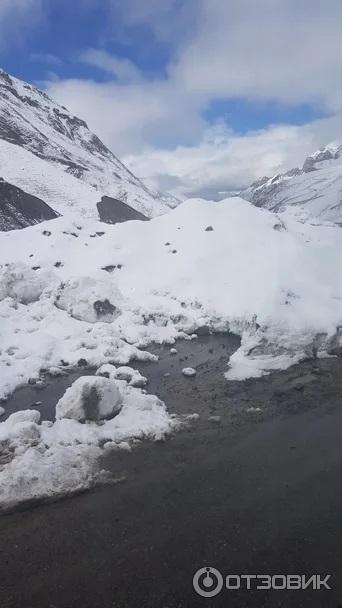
314	190
51	154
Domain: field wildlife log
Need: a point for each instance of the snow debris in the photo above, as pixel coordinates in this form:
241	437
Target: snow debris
124	372
2	411
173	351
193	416
40	460
214	419
20	282
241	279
89	299
56	371
189	372
90	398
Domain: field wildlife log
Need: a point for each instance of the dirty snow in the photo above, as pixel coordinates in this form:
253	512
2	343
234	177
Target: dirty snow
46	460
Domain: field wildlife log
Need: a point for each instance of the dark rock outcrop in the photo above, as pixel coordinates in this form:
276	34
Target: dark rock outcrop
19	209
113	211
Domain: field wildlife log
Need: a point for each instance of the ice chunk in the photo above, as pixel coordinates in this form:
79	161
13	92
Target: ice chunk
189	372
90	398
89	299
20	282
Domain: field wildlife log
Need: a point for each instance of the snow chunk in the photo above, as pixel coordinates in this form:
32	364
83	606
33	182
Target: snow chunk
107	370
132	376
20	282
90	398
189	372
89	299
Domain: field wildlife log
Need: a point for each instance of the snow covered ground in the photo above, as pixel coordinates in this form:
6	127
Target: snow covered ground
72	290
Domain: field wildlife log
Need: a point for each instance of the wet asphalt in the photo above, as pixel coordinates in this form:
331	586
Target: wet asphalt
251	486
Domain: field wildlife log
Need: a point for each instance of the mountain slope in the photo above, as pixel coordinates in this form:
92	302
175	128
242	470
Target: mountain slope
33	122
19	209
314	190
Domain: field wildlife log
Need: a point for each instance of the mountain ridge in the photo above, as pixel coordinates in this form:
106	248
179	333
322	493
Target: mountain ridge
315	189
32	121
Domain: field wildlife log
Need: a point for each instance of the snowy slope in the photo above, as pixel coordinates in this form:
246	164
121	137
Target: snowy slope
62	192
313	191
33	122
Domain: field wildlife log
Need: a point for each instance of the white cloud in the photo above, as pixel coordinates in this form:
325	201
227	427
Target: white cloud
47	58
123	70
16	18
222	162
129	116
270	50
288	51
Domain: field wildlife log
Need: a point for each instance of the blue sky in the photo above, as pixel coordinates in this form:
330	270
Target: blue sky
216	83
67	29
53	48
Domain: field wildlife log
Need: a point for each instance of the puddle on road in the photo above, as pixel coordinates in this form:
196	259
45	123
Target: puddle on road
199	352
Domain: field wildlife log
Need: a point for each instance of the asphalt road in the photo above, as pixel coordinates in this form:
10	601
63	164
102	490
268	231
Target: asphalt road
256	492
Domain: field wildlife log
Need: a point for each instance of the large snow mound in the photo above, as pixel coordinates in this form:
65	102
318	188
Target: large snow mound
227	265
275	282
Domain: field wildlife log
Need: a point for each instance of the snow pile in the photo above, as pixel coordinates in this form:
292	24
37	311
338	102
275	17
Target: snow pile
100	296
47	460
90	398
114	290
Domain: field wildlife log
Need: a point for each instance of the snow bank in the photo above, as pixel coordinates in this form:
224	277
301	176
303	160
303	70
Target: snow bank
279	289
47	460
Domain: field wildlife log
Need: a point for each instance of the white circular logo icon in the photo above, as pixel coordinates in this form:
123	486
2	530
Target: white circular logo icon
207	582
